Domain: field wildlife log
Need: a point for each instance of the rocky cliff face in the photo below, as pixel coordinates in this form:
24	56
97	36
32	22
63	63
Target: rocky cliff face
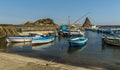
87	23
9	30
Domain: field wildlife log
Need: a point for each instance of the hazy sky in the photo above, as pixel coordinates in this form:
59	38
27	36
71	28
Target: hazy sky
98	11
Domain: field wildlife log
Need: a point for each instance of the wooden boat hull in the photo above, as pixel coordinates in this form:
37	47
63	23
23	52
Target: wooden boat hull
19	39
111	40
115	42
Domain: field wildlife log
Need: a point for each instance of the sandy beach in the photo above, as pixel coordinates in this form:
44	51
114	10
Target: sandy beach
16	62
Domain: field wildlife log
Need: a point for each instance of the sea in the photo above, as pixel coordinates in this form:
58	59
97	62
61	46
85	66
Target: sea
93	54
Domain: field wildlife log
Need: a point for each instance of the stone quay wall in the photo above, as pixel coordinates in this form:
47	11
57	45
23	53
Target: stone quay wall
7	30
43	29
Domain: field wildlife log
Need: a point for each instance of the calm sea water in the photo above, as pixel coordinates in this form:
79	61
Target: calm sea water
94	53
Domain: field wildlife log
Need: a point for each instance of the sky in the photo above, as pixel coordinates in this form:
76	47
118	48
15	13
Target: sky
100	12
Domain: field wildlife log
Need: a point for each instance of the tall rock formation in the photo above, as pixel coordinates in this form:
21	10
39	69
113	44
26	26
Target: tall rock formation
87	23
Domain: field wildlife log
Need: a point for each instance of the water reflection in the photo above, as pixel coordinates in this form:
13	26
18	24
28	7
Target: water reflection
26	47
94	54
106	47
73	50
114	51
19	47
22	44
42	46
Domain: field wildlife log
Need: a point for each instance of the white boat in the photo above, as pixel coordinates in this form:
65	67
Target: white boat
18	39
76	32
23	38
43	40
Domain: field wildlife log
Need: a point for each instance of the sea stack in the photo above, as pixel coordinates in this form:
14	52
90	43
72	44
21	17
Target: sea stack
87	23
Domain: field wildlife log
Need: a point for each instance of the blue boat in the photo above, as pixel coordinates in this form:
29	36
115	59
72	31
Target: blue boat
79	41
43	40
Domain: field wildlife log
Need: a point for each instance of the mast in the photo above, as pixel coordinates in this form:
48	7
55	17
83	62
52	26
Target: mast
68	19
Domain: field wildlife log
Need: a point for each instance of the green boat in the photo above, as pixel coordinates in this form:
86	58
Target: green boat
111	39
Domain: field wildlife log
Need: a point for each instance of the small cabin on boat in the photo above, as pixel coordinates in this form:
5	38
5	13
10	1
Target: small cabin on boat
64	28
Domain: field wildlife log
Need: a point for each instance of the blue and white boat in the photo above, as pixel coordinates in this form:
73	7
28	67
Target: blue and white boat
79	41
42	40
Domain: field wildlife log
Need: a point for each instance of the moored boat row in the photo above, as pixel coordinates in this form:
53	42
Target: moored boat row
33	39
77	41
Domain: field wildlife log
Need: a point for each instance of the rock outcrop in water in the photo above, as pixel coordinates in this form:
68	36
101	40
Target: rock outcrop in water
7	30
87	23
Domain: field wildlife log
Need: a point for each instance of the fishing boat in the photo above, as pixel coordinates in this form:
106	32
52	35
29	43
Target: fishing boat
111	39
76	33
64	30
43	40
18	39
79	41
22	38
